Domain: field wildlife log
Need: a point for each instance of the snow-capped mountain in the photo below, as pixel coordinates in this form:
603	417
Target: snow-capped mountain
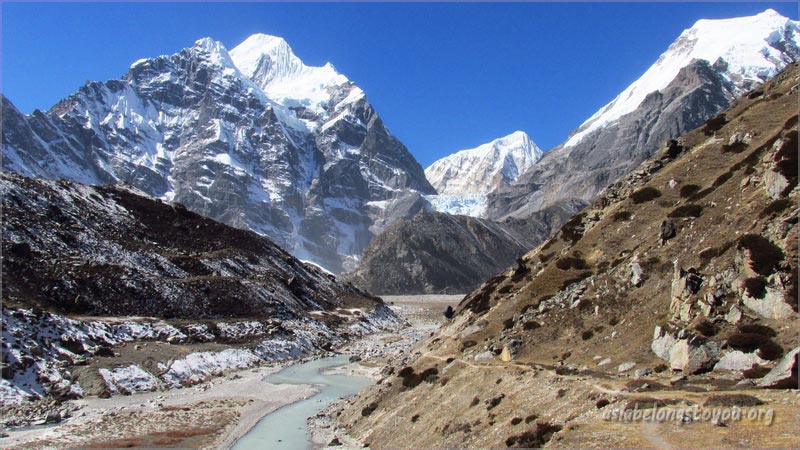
253	138
744	50
697	77
483	169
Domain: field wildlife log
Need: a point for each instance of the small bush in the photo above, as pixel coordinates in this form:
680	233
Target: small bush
621	216
775	207
530	325
689	190
686	211
769	351
736	147
756	372
747	342
765	255
714	124
722	179
756	287
706	328
536	437
573	230
586	335
702	194
578	279
571	262
516	421
757	329
645	194
729	400
369	409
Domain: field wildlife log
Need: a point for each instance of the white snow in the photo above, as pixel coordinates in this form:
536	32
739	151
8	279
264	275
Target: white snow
743	43
273	66
473	205
130	379
483	169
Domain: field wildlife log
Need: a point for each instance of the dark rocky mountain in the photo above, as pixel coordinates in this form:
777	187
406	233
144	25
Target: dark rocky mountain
88	269
315	169
437	253
112	250
677	287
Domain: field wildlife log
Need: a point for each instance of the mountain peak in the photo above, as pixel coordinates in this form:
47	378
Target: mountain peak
272	65
212	51
753	49
483	169
261	49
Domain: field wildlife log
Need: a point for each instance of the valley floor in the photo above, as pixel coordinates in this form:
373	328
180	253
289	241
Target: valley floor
215	413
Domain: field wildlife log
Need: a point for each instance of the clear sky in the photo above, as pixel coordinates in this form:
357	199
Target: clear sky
443	76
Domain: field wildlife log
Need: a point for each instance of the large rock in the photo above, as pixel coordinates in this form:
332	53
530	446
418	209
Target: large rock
737	360
784	375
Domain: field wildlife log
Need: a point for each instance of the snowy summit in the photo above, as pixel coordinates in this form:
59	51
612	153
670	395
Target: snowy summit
483	169
745	50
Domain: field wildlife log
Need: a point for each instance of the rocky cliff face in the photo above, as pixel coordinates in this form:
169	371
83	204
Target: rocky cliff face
72	252
679	280
700	74
254	138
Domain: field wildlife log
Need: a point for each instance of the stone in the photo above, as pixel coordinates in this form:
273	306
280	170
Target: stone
626	366
668	231
485	356
637	274
354	358
677	379
784	374
662	342
643	372
734	315
53	417
604	362
738	360
693	355
772	306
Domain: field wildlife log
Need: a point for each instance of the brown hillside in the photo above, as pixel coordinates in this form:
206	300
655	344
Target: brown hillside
686	267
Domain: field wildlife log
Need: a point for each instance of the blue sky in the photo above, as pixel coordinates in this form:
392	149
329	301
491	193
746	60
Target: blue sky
443	76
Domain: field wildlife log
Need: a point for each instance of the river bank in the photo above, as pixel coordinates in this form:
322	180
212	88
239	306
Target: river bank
218	412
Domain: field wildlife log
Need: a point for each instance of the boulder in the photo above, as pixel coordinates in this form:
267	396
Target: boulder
693	355
626	366
772	306
637	274
737	360
784	375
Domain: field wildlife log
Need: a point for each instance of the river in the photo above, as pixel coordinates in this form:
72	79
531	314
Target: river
286	428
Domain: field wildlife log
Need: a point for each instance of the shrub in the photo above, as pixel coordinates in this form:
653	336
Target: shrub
536	437
732	400
736	147
770	351
775	207
690	210
621	216
573	230
571	262
756	287
747	342
765	256
722	179
757	329
645	194
706	328
689	190
714	124
586	335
